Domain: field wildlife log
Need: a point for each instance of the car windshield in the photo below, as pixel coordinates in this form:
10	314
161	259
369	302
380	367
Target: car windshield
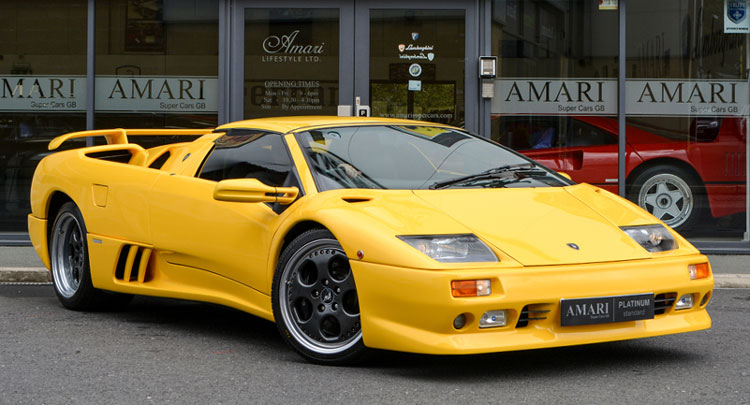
415	157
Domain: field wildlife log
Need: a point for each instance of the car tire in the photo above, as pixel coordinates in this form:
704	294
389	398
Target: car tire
315	301
69	263
671	194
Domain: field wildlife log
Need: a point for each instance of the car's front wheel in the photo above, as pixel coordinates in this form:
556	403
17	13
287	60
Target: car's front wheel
315	301
670	194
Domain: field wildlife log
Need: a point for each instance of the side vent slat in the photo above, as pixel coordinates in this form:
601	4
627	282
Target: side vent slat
132	264
136	264
132	252
144	264
120	268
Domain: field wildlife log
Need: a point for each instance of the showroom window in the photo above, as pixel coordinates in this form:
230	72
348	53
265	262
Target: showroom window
42	92
687	99
157	64
555	96
686	106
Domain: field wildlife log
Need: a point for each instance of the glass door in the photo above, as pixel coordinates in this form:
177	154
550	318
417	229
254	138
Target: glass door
290	58
333	57
417	61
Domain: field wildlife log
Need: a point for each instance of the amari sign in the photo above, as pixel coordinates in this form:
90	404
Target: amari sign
284	49
593	96
544	96
42	93
113	94
677	97
157	94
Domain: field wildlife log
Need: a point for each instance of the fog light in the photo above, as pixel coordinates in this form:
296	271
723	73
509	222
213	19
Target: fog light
685	302
471	288
493	319
460	321
697	271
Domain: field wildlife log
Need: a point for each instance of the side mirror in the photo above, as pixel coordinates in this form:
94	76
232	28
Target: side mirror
566	175
253	190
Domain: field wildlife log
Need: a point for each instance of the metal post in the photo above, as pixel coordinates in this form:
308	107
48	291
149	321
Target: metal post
90	67
225	34
485	48
621	107
746	237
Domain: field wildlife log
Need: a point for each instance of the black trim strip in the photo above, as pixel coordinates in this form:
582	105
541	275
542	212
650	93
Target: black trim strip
725	182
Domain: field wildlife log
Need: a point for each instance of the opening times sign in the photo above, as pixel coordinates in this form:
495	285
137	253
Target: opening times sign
594	96
113	94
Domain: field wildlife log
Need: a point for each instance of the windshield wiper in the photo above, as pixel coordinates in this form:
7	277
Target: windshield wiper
508	171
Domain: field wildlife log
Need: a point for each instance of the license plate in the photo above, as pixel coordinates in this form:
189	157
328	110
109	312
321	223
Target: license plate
589	311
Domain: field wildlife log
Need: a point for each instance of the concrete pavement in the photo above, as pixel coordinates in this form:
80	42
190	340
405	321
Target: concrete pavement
21	264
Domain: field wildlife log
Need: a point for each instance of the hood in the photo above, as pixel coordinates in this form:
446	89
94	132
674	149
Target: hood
538	226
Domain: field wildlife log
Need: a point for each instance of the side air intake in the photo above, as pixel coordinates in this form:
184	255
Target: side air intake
132	264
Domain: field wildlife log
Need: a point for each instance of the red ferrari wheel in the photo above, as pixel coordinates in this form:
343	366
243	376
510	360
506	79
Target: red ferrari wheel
670	194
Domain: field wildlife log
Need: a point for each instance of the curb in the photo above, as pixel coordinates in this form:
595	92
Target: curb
42	275
731	280
24	275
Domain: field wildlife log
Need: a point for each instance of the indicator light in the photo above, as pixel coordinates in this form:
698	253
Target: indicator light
471	288
698	271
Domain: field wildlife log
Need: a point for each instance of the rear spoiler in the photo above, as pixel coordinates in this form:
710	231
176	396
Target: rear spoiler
120	135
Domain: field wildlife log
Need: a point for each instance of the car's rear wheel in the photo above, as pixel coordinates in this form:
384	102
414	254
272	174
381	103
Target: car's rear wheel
315	300
671	194
69	260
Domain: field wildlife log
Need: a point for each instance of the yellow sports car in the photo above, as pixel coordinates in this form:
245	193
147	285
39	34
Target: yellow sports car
359	233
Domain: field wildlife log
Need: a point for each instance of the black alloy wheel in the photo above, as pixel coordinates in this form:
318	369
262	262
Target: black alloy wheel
315	301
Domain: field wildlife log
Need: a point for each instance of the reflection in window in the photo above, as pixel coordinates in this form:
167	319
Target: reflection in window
254	155
686	124
417	64
156	64
291	62
45	54
406	157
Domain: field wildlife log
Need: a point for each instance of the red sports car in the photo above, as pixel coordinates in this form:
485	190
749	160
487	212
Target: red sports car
677	178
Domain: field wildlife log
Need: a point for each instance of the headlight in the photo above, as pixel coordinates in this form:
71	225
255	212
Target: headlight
451	248
654	238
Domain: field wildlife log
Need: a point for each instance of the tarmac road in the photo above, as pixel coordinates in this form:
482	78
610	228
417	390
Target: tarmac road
169	351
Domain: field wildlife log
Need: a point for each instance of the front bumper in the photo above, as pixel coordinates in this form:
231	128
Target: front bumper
413	310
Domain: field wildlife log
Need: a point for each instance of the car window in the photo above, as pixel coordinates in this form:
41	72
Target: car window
405	157
258	155
582	134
